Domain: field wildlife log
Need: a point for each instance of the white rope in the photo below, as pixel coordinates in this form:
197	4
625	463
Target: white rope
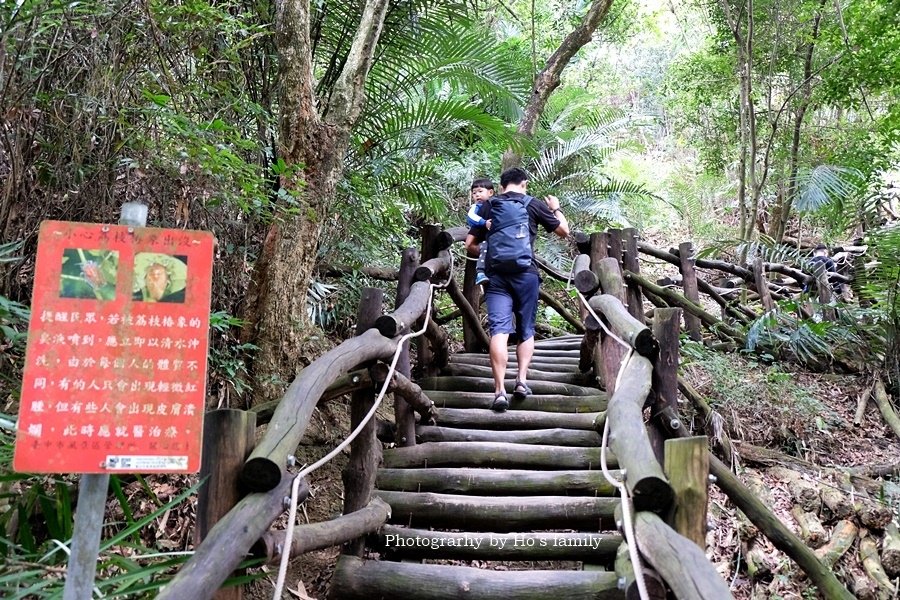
628	524
295	486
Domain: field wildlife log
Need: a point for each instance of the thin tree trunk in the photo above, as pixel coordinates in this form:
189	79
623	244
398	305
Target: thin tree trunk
784	211
549	78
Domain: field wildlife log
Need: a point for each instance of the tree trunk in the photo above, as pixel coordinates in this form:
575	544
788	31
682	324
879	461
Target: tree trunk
549	78
276	313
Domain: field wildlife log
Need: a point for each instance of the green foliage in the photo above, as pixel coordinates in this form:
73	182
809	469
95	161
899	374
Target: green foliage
742	383
228	356
36	521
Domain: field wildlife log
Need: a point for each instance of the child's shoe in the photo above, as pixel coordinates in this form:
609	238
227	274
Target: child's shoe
481	279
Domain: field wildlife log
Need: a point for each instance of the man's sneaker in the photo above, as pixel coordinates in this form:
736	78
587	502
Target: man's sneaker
481	278
500	403
521	391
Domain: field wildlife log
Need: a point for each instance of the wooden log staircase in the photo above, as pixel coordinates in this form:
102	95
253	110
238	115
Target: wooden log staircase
493	504
480	504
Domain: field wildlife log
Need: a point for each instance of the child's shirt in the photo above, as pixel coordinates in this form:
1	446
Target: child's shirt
473	217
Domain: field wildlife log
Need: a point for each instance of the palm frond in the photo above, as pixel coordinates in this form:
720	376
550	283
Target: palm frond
826	184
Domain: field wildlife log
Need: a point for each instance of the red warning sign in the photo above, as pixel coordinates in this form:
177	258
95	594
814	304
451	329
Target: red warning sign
115	374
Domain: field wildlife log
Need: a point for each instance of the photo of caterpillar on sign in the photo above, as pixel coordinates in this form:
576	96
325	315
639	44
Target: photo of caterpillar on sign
159	277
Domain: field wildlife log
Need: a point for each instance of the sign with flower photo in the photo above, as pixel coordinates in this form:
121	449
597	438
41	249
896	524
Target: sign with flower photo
115	374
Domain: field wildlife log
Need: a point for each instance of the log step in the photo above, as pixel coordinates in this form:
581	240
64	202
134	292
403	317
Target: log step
495	455
358	579
556	436
541	402
537	363
499	513
560	376
403	542
497	482
486	384
479	418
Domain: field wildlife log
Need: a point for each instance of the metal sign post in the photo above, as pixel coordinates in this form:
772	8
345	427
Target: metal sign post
115	369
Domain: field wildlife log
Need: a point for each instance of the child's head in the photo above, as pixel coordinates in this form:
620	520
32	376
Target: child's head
482	189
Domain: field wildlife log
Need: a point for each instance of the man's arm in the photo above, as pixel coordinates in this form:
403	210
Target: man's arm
553	204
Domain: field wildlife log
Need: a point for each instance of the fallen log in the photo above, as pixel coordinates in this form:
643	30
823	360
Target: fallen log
356	579
868	556
872	514
862	402
884	405
318	536
811	529
890	550
838	504
780	536
806	494
857	475
678	560
843	534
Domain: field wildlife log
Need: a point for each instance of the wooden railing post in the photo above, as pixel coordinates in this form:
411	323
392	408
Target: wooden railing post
425	366
471	340
630	262
666	327
228	438
611	353
403	412
365	450
689	283
687	467
614	236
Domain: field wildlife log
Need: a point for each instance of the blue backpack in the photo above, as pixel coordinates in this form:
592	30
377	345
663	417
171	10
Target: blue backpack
509	238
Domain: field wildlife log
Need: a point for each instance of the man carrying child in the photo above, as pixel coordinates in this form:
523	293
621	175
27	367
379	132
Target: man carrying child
514	282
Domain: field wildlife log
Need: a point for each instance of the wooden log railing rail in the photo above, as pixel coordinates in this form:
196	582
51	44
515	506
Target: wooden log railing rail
462	446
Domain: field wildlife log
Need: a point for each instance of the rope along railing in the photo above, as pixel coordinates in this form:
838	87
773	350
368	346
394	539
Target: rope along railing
292	515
